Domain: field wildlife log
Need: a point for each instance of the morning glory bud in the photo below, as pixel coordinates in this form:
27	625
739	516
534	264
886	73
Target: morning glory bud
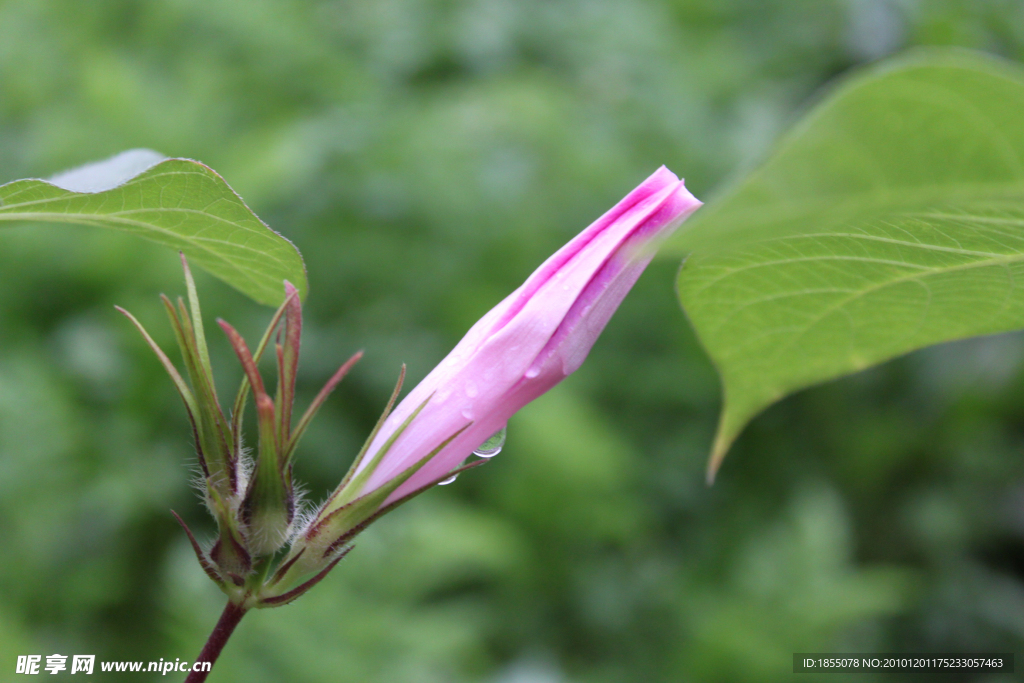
522	348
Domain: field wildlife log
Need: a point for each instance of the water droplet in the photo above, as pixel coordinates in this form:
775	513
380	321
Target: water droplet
468	414
471	389
532	372
448	480
491	447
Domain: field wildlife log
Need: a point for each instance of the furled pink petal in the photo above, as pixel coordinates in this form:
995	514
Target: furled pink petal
533	339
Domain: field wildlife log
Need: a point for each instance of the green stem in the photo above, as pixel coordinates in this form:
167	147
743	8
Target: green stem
218	639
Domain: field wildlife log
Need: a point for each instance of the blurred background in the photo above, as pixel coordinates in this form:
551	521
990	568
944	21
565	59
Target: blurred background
426	156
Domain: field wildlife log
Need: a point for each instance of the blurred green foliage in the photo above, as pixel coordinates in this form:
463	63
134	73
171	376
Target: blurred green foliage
425	156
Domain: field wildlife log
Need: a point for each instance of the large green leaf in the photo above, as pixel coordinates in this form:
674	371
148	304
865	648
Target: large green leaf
177	202
890	219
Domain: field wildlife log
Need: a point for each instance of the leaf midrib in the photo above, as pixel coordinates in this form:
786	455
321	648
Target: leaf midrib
874	238
1002	260
116	218
198	243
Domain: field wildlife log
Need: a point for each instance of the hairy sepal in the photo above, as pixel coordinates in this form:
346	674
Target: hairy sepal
336	525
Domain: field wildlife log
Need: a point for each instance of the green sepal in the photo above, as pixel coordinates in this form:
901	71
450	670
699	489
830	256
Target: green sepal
288	364
351	487
203	354
216	440
295	593
205	562
269	503
373	434
334	528
179	384
238	411
229	553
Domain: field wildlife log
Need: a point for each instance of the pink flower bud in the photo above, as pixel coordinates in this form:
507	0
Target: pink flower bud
532	340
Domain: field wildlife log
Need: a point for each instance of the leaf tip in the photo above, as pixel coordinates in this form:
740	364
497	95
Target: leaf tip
718	452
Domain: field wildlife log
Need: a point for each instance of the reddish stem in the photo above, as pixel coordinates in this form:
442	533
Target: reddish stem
218	639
